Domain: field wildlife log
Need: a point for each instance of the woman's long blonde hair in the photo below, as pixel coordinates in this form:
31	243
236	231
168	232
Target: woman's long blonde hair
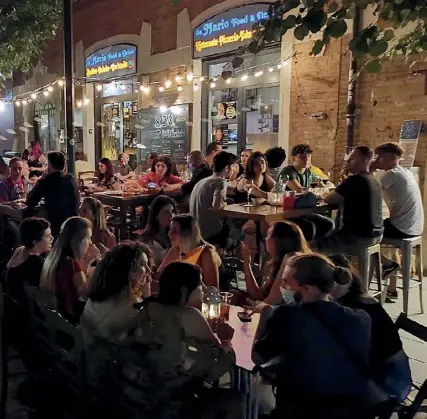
189	231
73	231
99	213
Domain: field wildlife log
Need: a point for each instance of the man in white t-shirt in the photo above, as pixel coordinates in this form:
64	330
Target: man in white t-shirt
403	198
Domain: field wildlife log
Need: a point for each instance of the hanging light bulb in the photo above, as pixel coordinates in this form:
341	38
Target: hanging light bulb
60	83
178	78
50	89
190	76
18	103
259	73
196	87
24	102
279	66
179	88
99	87
271	69
168	84
86	101
79	103
202	78
46	93
163	109
213	85
228	81
34	96
244	77
285	63
161	89
122	87
146	90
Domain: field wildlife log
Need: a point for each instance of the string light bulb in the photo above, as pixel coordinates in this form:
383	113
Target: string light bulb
178	78
180	88
18	103
50	89
271	69
285	63
213	85
161	89
34	96
228	81
244	77
46	93
24	102
202	78
168	84
79	103
99	87
60	83
190	76
86	101
279	66
163	108
259	73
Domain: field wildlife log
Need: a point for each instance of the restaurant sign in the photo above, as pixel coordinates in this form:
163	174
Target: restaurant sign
228	31
114	61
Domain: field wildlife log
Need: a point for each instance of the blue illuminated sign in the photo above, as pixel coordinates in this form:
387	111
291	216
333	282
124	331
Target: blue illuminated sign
227	31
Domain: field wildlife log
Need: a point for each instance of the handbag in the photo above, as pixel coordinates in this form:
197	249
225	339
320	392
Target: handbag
377	396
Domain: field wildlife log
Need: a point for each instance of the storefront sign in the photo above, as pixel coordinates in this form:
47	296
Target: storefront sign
166	132
227	31
114	61
226	110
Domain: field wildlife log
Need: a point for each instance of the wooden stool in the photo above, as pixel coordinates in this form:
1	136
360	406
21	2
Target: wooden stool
407	246
364	254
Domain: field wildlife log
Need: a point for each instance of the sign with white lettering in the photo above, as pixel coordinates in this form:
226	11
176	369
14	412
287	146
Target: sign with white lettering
114	61
228	31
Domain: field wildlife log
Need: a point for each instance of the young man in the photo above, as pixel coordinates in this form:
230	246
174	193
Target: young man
211	193
403	198
59	190
275	157
199	169
211	151
361	198
298	173
123	168
10	186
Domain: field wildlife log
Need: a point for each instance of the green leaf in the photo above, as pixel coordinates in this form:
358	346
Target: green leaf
388	35
378	48
373	66
337	29
301	32
289	22
317	47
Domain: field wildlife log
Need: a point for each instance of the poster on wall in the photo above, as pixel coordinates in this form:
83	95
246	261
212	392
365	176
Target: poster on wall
409	134
114	61
226	110
227	31
165	132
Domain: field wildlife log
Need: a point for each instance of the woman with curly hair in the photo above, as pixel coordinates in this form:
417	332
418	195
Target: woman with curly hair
118	283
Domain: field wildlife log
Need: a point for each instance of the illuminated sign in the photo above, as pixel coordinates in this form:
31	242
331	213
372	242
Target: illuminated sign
227	31
114	61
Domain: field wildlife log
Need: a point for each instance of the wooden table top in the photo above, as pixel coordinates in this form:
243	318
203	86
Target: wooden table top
243	338
263	212
118	199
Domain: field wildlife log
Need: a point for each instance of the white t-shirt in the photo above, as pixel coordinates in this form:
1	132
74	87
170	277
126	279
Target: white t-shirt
202	198
403	198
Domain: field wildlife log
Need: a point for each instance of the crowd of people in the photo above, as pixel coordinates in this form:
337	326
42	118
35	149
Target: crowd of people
334	344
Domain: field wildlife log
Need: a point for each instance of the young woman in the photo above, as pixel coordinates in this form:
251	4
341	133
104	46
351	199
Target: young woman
27	261
244	156
184	345
188	245
256	173
36	160
161	175
106	178
26	169
321	345
65	269
389	363
150	159
282	238
156	233
117	284
93	211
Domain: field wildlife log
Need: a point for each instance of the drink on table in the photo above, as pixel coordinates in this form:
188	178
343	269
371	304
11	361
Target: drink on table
224	312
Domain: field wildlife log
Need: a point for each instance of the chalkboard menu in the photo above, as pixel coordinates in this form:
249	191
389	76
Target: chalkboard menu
409	134
165	132
410	129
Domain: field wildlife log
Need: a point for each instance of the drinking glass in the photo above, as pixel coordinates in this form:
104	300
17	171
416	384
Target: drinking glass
224	312
248	188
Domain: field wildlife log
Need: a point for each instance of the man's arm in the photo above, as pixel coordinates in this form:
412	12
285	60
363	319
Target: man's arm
333	198
220	196
37	193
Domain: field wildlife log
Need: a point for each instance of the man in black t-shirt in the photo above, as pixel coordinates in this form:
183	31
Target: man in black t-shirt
360	196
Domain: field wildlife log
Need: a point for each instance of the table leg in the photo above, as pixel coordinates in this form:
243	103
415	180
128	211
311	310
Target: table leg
123	213
255	395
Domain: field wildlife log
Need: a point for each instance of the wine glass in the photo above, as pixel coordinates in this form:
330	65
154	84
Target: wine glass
248	188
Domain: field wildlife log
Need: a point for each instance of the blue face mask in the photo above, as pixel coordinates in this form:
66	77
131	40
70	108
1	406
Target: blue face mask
287	295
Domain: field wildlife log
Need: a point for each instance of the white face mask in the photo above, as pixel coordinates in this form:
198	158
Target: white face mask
287	295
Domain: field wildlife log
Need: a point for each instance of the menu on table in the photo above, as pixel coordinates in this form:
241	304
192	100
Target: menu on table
165	132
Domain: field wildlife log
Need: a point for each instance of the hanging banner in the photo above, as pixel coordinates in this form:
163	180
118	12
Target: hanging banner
114	61
227	31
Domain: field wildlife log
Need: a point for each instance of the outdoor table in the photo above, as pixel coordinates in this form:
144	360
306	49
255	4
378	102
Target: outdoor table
126	202
243	380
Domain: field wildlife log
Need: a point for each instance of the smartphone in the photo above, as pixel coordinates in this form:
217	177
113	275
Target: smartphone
244	316
152	186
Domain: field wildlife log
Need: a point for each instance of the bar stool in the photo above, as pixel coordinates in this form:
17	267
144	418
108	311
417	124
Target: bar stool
364	255
407	246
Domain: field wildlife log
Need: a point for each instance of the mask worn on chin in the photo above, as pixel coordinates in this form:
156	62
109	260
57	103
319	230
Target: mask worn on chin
287	295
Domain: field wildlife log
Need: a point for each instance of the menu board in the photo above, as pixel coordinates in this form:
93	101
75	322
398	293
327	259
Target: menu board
165	132
409	134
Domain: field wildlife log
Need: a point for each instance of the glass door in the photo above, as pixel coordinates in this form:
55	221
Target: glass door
111	133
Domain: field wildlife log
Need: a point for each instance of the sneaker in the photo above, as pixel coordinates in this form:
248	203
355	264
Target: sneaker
390	270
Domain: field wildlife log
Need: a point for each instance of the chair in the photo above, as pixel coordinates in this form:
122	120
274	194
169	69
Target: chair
419	331
407	246
365	254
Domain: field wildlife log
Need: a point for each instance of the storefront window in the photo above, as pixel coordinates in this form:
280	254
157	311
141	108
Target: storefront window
244	113
45	128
